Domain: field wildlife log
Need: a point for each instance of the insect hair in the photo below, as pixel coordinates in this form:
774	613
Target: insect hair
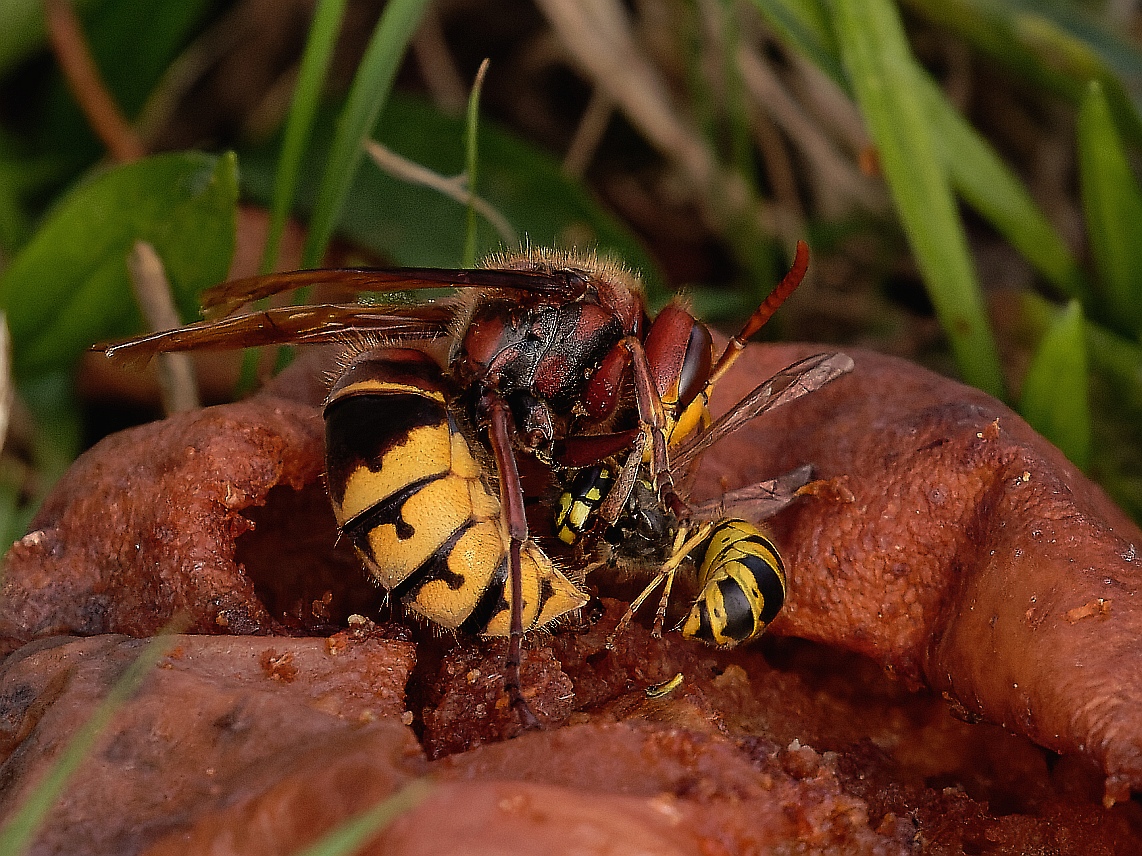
350	345
550	259
545	260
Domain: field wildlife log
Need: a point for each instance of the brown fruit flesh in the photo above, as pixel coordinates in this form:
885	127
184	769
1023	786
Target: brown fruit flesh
943	532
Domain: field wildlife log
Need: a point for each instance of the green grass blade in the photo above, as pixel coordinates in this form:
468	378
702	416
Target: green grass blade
1055	45
741	152
885	79
471	160
1115	399
1055	392
1093	41
20	829
1115	358
994	190
367	96
1112	204
306	97
349	836
804	26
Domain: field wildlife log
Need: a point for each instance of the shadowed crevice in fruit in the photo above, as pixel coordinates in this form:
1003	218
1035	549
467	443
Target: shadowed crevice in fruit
144	526
305	576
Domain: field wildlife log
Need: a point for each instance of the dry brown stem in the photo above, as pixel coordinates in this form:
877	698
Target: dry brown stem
177	385
86	83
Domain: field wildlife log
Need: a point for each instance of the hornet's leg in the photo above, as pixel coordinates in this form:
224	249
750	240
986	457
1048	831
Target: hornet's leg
511	504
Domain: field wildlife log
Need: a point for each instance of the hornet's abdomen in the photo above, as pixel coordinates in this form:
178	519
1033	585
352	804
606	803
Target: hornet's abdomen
417	506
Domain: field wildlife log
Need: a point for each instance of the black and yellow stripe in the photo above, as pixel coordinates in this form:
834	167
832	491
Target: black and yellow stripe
742	585
419	508
578	503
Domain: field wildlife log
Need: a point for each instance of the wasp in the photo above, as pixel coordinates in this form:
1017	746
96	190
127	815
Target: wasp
741	576
624	516
416	504
529	337
741	582
547	352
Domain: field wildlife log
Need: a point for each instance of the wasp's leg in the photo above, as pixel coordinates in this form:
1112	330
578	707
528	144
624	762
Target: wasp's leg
511	504
683	544
663	603
654	424
652	419
634	607
616	499
600	399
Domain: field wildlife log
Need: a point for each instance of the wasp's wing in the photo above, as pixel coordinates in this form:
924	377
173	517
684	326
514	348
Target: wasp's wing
787	385
226	298
288	325
756	502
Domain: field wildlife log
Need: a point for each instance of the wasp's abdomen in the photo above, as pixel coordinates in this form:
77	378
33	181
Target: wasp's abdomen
742	586
578	503
417	506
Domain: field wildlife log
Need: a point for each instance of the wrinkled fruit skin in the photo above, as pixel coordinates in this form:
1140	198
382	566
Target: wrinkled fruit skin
143	527
946	541
973	556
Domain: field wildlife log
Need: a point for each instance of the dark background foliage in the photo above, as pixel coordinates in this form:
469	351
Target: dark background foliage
963	172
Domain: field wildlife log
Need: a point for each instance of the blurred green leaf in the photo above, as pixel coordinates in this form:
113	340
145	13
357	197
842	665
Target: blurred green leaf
367	97
69	287
22	173
133	42
993	189
13	221
891	97
805	26
1112	204
1055	398
412	225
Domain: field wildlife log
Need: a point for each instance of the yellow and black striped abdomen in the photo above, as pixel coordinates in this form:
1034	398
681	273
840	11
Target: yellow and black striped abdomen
578	503
742	586
417	505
